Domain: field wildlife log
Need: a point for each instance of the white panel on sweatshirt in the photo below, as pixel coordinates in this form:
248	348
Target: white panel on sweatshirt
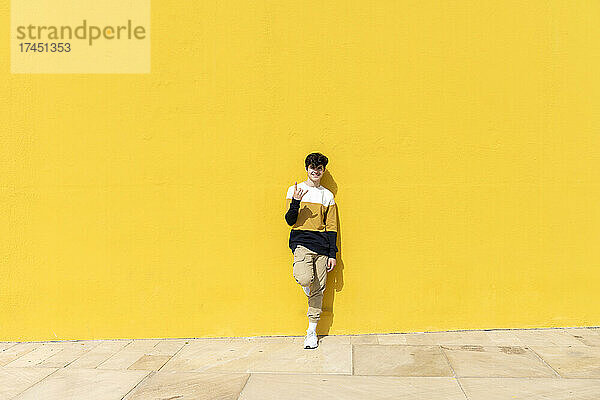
320	195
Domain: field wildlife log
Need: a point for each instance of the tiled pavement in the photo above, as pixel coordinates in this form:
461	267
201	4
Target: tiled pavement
531	364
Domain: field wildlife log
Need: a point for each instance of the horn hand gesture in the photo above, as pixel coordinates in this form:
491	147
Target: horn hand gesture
298	193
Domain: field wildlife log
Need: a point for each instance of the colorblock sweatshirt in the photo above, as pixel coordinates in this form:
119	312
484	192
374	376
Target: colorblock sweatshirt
313	219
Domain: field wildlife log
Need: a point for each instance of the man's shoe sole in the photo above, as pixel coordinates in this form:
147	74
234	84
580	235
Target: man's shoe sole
308	347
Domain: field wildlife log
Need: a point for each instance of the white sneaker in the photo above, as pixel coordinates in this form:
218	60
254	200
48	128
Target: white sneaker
311	341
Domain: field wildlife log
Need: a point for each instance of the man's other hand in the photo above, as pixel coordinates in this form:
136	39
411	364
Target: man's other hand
330	264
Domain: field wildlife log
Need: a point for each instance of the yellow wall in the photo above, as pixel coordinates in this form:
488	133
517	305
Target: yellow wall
465	156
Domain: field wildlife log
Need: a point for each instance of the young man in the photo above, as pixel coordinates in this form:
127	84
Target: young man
312	214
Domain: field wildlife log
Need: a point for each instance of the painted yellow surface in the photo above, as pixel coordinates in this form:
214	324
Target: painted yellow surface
464	145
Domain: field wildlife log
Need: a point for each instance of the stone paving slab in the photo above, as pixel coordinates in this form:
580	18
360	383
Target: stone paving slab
530	389
547	338
149	362
67	355
399	360
328	387
167	347
6	345
248	356
190	385
88	384
98	354
16	380
15	352
36	356
572	361
588	337
122	360
468	365
481	338
496	361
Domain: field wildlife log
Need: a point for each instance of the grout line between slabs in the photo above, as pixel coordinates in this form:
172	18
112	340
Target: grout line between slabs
40	381
112	355
22	355
139	383
453	372
81	355
173	356
351	359
244	387
545	363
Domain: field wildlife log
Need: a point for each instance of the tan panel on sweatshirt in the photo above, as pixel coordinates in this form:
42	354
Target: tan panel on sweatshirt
331	218
311	216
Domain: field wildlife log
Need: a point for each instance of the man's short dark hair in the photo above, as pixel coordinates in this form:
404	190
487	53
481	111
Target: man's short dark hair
315	159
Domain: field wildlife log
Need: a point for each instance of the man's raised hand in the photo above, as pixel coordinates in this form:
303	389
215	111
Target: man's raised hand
298	193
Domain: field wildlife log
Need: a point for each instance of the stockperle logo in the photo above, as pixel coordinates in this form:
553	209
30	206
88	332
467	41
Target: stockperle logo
84	36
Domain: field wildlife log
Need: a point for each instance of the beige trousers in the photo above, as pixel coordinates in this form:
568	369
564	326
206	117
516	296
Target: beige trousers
310	269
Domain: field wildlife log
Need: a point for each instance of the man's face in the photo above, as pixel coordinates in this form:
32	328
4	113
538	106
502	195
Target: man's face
315	173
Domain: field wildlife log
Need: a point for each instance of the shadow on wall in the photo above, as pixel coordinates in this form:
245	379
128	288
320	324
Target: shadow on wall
335	278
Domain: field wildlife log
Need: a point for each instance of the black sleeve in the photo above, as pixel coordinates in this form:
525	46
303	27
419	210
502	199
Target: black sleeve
332	236
292	214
